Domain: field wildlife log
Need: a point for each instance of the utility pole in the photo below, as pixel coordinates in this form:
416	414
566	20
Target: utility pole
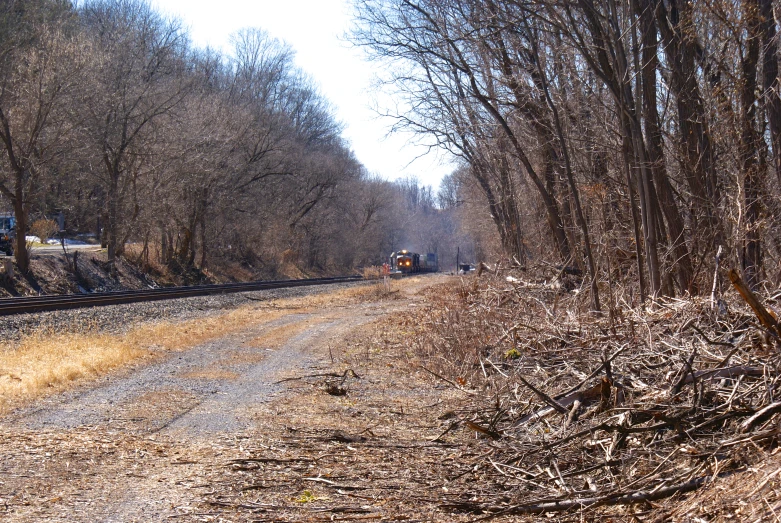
458	255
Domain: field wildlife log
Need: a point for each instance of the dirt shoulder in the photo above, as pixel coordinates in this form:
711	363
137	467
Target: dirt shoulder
320	414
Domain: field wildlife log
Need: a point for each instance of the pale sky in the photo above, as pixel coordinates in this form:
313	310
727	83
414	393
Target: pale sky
315	29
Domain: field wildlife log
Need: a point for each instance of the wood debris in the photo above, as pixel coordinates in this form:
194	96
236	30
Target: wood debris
598	413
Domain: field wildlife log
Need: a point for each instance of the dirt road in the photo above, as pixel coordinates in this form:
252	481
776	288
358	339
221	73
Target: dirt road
253	427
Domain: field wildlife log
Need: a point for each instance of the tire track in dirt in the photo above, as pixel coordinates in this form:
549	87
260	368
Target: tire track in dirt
230	409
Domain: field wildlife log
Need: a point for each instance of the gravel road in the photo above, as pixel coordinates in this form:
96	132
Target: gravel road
200	392
113	450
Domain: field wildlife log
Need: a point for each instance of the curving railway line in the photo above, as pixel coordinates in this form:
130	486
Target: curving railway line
9	306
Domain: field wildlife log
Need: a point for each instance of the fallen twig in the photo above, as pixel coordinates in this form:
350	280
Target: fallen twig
335	485
729	372
760	416
456	385
593	502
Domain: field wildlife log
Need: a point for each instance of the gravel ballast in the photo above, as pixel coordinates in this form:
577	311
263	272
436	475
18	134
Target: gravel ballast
117	318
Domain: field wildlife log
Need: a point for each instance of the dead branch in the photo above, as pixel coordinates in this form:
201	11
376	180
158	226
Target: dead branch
761	416
547	399
706	338
585	396
593	502
729	372
715	286
482	430
343	376
767	319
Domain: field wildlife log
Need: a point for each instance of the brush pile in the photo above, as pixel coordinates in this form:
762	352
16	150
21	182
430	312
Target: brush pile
618	414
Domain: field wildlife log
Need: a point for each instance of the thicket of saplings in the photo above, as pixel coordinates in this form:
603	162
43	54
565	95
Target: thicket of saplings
185	158
627	139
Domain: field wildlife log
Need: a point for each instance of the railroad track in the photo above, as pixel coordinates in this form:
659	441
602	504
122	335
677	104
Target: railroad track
9	306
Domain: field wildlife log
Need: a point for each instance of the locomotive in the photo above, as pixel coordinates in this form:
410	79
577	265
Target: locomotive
407	262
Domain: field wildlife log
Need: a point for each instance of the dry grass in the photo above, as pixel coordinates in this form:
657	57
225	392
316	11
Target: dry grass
372	273
39	364
42	363
365	292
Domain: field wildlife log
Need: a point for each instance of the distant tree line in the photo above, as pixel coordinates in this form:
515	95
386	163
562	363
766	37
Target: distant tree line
109	114
631	139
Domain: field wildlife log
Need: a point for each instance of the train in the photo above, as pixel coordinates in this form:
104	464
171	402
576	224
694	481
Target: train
406	262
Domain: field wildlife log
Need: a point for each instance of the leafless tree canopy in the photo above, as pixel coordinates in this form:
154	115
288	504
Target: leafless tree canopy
623	139
186	158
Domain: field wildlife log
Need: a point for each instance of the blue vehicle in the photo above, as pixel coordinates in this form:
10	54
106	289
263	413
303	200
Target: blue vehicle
7	233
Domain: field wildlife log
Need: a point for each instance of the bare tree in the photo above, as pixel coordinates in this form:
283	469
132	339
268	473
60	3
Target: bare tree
136	77
38	65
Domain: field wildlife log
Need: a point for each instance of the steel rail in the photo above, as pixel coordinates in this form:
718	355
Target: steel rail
9	306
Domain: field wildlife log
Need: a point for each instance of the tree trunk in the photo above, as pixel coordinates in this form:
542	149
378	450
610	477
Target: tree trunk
653	138
770	81
204	242
629	103
552	210
20	213
608	59
750	146
111	229
679	35
512	219
626	151
592	268
645	187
